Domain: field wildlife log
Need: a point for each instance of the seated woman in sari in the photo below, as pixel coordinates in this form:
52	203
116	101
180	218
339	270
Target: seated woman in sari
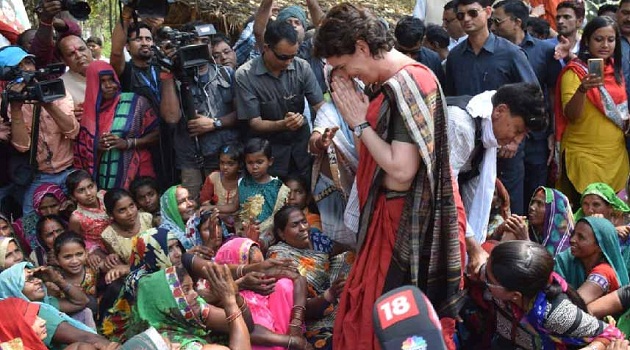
116	131
22	281
594	265
600	198
535	307
179	216
20	327
167	300
6	230
321	261
48	199
271	313
48	228
550	222
10	253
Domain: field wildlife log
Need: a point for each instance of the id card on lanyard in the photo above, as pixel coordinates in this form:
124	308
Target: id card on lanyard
152	83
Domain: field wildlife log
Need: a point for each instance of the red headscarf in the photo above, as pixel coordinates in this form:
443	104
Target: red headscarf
17	319
97	117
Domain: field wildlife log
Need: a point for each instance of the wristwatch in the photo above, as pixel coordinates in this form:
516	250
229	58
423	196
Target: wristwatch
358	130
217	123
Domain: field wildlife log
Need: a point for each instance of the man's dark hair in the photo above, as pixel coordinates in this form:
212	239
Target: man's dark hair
437	34
94	39
277	31
21	39
190	26
607	8
344	25
409	31
515	9
450	6
524	100
483	3
219	38
576	6
539	27
621	2
134	28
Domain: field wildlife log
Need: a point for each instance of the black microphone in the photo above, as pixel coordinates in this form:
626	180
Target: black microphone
404	319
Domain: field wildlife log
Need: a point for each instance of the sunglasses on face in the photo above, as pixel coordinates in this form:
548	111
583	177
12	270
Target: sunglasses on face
472	13
498	21
282	57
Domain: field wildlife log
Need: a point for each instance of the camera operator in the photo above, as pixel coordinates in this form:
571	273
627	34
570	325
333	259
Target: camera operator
142	75
43	45
57	129
214	125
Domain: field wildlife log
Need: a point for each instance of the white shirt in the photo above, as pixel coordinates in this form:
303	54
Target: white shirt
75	85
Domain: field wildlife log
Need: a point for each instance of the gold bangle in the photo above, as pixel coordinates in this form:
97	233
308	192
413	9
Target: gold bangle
234	316
239	271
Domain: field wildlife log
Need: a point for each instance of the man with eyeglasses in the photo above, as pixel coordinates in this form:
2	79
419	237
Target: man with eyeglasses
409	35
452	26
509	20
222	53
270	92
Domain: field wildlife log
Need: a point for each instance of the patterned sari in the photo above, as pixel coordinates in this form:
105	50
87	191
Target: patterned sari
127	116
149	254
161	303
320	270
558	223
410	239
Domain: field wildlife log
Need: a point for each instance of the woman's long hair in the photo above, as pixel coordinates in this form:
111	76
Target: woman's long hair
590	28
526	267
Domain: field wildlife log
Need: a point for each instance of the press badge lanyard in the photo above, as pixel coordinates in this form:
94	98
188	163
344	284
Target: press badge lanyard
155	89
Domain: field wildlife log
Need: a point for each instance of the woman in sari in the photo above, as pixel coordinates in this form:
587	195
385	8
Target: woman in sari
599	198
10	253
535	308
20	281
550	222
408	231
594	265
271	313
335	165
20	326
592	113
48	228
116	132
321	261
6	230
167	300
179	216
48	199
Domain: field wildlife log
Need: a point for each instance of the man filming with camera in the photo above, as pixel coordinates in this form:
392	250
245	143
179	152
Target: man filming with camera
57	125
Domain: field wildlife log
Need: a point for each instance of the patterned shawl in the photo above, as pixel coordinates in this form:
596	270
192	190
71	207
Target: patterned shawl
12	283
162	304
605	192
572	268
558	223
427	248
187	234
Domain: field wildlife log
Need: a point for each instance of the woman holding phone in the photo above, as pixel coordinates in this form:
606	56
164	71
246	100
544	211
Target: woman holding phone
592	113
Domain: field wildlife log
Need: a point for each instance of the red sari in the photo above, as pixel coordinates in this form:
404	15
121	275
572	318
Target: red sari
381	264
17	318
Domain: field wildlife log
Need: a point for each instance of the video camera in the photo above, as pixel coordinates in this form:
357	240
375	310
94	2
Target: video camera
149	8
78	9
37	89
187	55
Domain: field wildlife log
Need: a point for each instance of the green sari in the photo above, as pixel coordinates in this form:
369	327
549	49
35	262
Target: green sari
161	304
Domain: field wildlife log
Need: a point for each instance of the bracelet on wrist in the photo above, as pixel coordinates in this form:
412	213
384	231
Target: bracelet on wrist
582	89
234	316
129	143
42	22
290	342
239	271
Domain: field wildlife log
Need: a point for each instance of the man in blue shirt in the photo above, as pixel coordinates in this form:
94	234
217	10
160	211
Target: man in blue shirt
509	20
487	62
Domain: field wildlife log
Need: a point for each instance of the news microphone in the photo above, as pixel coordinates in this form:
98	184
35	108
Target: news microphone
404	319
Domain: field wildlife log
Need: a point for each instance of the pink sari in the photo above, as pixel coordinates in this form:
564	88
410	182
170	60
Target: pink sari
273	311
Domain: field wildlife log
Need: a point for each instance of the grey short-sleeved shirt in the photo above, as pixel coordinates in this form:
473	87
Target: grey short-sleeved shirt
261	94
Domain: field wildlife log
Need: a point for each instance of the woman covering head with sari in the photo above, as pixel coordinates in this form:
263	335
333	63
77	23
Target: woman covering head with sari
153	250
591	114
48	199
10	253
600	198
594	265
20	325
178	216
116	129
6	230
168	301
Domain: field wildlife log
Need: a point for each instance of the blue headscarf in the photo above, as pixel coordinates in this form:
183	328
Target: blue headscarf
292	11
12	283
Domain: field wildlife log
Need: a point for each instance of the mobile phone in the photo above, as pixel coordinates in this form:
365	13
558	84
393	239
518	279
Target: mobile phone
596	66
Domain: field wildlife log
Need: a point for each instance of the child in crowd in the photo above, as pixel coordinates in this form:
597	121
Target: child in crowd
302	198
71	257
260	195
145	192
220	190
90	218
